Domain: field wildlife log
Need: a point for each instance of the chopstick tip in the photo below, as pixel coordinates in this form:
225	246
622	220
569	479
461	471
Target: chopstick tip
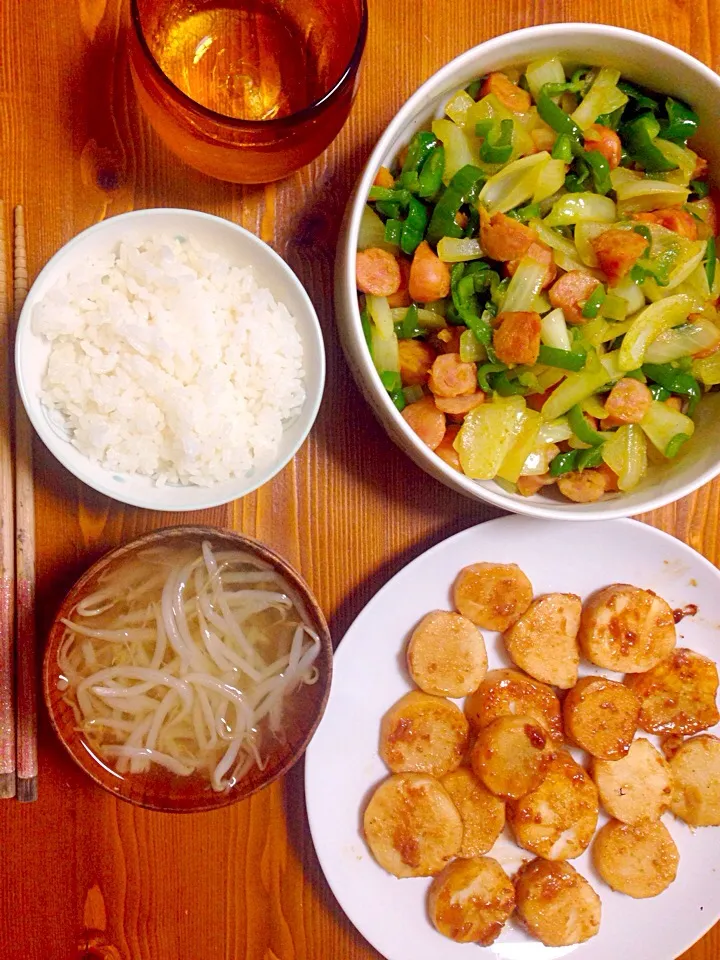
7	786
27	790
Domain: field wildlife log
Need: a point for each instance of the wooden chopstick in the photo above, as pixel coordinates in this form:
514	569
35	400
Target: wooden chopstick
7	539
25	639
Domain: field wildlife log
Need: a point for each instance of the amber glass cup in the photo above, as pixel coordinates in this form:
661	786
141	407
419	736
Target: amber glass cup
247	90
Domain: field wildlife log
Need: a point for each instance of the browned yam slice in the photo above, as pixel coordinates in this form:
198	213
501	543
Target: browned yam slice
601	716
492	595
556	904
412	826
508	692
626	629
678	695
470	900
423	734
557	820
543	642
639	860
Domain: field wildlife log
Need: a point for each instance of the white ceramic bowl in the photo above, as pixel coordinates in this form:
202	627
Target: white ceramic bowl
241	248
641	59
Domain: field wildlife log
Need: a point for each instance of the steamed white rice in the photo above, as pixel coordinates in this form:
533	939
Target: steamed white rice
167	361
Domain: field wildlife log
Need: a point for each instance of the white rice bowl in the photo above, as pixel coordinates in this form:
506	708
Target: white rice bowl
168	362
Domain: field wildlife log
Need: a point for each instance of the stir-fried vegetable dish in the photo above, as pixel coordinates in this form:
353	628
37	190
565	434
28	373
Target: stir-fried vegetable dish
538	280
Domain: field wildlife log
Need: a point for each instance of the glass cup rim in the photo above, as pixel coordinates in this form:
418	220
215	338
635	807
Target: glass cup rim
278	123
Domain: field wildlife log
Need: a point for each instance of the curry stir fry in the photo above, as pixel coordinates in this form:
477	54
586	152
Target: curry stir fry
537	280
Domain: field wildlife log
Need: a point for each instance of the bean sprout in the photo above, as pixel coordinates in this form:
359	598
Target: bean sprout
183	659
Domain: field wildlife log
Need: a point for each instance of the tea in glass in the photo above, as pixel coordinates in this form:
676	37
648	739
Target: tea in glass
247	90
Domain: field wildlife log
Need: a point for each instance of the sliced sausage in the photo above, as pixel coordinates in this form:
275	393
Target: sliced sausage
617	252
606	142
429	276
377	272
672	218
426	420
402	298
447	452
416	359
503	238
628	401
571	292
457	406
583	486
508	93
516	339
529	486
541	253
452	377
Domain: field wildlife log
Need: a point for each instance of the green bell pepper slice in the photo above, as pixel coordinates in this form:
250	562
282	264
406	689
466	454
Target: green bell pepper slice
420	148
711	262
639	136
414	227
497	146
676	381
463	188
431	174
564	463
593	303
554	116
675	445
582	429
682	122
562	359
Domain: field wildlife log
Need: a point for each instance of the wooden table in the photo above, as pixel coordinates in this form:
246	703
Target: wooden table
82	875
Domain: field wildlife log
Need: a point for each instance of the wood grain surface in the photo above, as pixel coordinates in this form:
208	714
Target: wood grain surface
82	875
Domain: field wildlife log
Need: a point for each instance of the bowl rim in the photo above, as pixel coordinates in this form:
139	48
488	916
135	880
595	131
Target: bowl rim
33	405
347	303
253	545
276	124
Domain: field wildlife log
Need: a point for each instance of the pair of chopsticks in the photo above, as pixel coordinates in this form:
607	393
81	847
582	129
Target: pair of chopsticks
18	677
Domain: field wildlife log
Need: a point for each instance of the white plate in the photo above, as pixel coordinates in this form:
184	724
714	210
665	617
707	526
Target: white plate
342	765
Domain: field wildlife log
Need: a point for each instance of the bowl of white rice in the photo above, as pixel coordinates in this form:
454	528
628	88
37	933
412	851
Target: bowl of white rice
170	359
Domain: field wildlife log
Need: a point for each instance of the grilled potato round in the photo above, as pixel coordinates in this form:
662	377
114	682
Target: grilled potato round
557	820
695	767
637	787
492	595
412	826
511	755
470	900
639	859
423	734
508	692
446	655
601	716
626	629
482	813
556	904
543	642
678	695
